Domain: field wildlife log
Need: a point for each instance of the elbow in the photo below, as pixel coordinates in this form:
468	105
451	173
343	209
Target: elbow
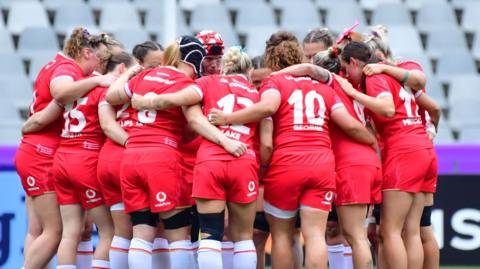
389	113
60	96
268	111
420	82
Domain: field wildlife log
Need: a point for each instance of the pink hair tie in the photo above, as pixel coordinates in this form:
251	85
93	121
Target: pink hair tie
347	32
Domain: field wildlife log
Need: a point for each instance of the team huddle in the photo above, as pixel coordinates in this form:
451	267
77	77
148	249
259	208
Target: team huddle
191	156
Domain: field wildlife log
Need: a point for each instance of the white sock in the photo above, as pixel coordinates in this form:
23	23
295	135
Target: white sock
227	254
85	255
140	254
347	257
210	254
66	267
244	255
335	256
195	253
161	254
119	252
181	255
100	264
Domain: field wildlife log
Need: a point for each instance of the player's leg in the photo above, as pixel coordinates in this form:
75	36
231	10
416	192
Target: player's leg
122	237
72	221
314	222
395	208
242	217
103	221
352	221
44	247
430	244
411	232
211	216
281	230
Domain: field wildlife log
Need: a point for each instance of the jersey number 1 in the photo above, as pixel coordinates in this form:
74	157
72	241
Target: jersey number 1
227	104
313	117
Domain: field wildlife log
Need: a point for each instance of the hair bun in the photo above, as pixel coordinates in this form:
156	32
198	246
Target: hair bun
279	37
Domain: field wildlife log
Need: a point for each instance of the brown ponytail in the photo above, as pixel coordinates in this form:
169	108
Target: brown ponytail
80	38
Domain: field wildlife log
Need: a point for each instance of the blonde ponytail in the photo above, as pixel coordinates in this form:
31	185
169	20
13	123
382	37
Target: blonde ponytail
235	61
172	55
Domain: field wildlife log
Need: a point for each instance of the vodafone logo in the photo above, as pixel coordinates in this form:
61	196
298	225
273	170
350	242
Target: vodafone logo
329	196
90	193
251	186
161	197
30	181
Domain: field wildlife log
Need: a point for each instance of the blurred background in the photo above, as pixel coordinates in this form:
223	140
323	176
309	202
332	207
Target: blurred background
442	35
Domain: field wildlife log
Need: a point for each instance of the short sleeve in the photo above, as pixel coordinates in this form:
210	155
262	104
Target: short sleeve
269	85
410	65
65	71
377	86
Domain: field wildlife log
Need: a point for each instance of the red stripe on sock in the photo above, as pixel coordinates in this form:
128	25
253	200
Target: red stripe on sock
347	254
98	267
225	249
244	251
140	249
119	249
160	250
207	248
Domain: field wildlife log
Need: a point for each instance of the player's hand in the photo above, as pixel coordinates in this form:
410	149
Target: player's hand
345	85
140	102
217	117
106	80
373	69
234	147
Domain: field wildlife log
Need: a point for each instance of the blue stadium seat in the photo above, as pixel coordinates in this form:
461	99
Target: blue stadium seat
230	37
11	65
119	16
251	16
154	19
299	15
444	133
130	37
236	4
72	15
454	64
25	14
343	15
470	135
476	45
36	64
464	87
283	5
391	14
326	4
256	39
373	4
444	40
435	15
209	17
404	39
35	40
100	4
435	90
420	58
471	17
18	89
6	41
192	4
55	4
417	4
464	113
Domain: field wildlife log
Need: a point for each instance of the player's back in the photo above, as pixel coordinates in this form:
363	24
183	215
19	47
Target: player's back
228	93
404	131
152	127
301	121
60	67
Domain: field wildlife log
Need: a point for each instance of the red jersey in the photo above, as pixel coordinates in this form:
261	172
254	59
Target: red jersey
82	125
411	65
346	150
150	125
61	67
403	132
228	93
302	119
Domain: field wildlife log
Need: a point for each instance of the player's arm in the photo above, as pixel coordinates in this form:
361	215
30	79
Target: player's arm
109	124
266	141
117	94
188	96
42	118
65	90
382	105
267	106
427	103
414	79
200	124
310	70
352	127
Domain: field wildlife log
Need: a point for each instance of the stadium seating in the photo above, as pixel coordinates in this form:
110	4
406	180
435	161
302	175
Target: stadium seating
427	31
